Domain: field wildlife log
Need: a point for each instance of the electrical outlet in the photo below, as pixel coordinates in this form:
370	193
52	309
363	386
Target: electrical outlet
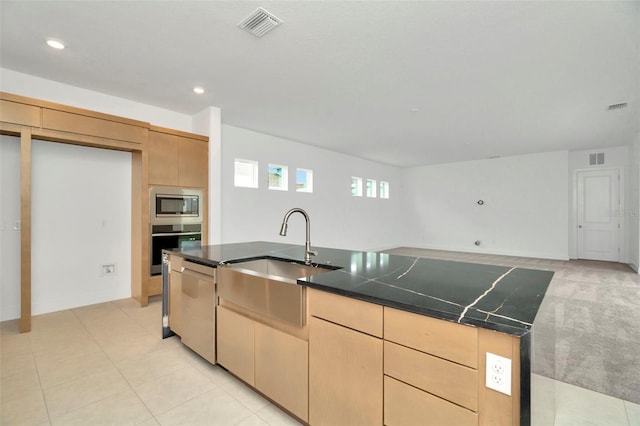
498	373
108	269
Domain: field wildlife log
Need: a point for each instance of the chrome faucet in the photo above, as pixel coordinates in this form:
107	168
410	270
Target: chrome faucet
307	244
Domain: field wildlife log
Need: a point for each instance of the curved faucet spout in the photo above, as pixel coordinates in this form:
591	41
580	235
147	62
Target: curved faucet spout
307	245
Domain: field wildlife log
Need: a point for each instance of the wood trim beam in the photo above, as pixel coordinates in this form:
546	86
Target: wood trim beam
25	230
84	140
10	128
52	105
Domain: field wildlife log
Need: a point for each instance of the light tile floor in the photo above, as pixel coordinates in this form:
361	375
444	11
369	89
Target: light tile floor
106	364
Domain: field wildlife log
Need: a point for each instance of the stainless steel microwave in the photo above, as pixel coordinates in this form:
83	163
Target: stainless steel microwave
175	205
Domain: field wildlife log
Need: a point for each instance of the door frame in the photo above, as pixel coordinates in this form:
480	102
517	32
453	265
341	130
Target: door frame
573	230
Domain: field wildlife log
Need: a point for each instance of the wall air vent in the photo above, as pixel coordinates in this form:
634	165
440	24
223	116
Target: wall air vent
596	159
259	22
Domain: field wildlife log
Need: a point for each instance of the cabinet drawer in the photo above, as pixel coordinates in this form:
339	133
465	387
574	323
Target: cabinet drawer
448	340
356	314
453	382
176	263
406	405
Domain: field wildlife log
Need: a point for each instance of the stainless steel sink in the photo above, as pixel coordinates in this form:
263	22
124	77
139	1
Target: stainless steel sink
268	287
280	270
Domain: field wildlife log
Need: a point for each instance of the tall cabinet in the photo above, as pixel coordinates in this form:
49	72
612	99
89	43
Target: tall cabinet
178	159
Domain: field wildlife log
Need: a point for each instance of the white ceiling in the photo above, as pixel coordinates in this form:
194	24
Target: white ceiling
487	78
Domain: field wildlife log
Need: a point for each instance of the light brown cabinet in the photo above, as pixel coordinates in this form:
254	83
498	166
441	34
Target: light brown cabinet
445	379
177	160
235	344
434	373
448	340
405	405
193	163
271	360
281	369
366	360
345	364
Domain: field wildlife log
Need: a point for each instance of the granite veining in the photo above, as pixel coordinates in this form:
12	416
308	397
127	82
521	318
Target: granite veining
500	298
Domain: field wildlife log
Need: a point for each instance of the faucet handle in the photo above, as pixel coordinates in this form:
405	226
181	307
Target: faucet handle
312	252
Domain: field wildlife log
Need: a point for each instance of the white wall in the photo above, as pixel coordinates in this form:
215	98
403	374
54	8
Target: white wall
337	219
208	122
617	157
9	227
633	209
525	210
81	219
47	90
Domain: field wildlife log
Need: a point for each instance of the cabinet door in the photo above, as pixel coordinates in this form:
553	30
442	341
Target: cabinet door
192	163
236	344
164	151
281	369
175	302
345	376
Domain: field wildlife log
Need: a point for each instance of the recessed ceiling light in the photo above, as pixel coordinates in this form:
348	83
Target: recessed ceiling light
55	44
198	90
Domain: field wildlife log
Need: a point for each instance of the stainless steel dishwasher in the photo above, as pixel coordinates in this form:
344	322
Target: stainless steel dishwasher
198	309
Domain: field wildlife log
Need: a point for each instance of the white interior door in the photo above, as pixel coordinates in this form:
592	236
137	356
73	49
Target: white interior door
598	219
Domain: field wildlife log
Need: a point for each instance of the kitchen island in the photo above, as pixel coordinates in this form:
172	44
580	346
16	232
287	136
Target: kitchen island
424	327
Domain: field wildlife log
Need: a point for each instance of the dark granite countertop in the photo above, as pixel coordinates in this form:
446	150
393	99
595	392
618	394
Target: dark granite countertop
500	298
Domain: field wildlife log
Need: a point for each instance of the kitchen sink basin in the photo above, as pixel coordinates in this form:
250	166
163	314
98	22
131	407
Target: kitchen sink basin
280	270
268	287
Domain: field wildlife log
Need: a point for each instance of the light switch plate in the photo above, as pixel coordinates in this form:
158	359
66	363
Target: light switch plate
498	373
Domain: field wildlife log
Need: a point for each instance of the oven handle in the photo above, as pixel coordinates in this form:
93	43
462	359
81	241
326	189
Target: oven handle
171	234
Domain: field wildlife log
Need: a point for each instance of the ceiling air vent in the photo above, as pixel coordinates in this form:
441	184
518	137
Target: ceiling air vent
259	22
596	159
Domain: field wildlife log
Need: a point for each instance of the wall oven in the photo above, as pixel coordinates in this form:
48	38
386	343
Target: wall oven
176	221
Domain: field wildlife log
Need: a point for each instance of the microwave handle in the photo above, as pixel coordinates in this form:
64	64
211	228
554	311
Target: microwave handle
170	234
